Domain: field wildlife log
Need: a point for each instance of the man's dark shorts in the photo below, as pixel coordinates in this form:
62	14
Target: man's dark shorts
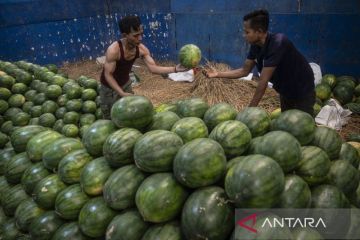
305	104
108	97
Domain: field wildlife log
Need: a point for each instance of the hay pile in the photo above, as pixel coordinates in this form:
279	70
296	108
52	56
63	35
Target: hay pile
213	90
233	91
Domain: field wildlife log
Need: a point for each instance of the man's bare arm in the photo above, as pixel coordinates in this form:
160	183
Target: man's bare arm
265	76
109	68
236	73
152	66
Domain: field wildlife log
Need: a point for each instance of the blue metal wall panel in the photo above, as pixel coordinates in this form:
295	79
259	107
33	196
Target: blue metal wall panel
273	6
85	38
27	12
140	6
42	31
221	6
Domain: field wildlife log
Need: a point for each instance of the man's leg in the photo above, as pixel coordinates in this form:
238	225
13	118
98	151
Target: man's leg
305	104
107	99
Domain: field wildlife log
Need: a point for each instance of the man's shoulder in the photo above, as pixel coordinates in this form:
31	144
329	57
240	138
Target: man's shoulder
279	38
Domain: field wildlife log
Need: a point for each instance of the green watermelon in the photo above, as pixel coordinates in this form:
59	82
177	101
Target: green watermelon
47	120
343	94
193	107
46	190
344	175
132	111
262	178
69	202
88	94
19	88
32	175
218	113
120	188
49	106
11	199
58	149
298	123
4	93
328	140
349	153
189	55
71	117
118	147
160	198
16	100
233	136
87	119
166	107
323	91
21	119
4	106
329	79
200	162
9	230
161	231
35	146
190	128
163	121
127	225
280	146
44	226
74	105
25	213
26	107
155	150
328	196
96	135
256	119
72	164
4	139
94	217
89	107
306	234
5	155
94	176
314	165
296	193
69	230
207	214
16	166
70	130
53	91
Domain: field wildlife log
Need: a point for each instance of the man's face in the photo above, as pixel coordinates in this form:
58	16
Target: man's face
135	36
251	36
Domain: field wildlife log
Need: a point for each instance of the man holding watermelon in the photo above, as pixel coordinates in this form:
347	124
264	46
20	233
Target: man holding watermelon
119	59
277	61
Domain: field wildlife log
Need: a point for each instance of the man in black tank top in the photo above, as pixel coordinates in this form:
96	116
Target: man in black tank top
278	61
119	59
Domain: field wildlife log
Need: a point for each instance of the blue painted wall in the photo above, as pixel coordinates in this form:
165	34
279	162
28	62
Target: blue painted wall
42	31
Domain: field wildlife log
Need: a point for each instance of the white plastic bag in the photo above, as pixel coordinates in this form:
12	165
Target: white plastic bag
182	76
317	73
333	115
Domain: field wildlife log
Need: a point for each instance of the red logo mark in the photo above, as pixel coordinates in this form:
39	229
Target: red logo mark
242	222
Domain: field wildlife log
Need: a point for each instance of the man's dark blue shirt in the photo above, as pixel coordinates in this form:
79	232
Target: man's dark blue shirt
293	77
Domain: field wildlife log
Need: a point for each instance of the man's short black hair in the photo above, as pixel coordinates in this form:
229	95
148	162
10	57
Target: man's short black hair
129	23
259	20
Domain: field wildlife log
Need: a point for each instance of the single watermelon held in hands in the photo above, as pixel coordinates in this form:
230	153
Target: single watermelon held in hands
189	55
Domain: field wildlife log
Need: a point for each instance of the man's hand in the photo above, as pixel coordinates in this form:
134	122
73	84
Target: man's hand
124	94
181	68
210	73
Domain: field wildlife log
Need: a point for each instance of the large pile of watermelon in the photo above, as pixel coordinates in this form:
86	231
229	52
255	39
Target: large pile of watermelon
31	94
177	171
345	89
